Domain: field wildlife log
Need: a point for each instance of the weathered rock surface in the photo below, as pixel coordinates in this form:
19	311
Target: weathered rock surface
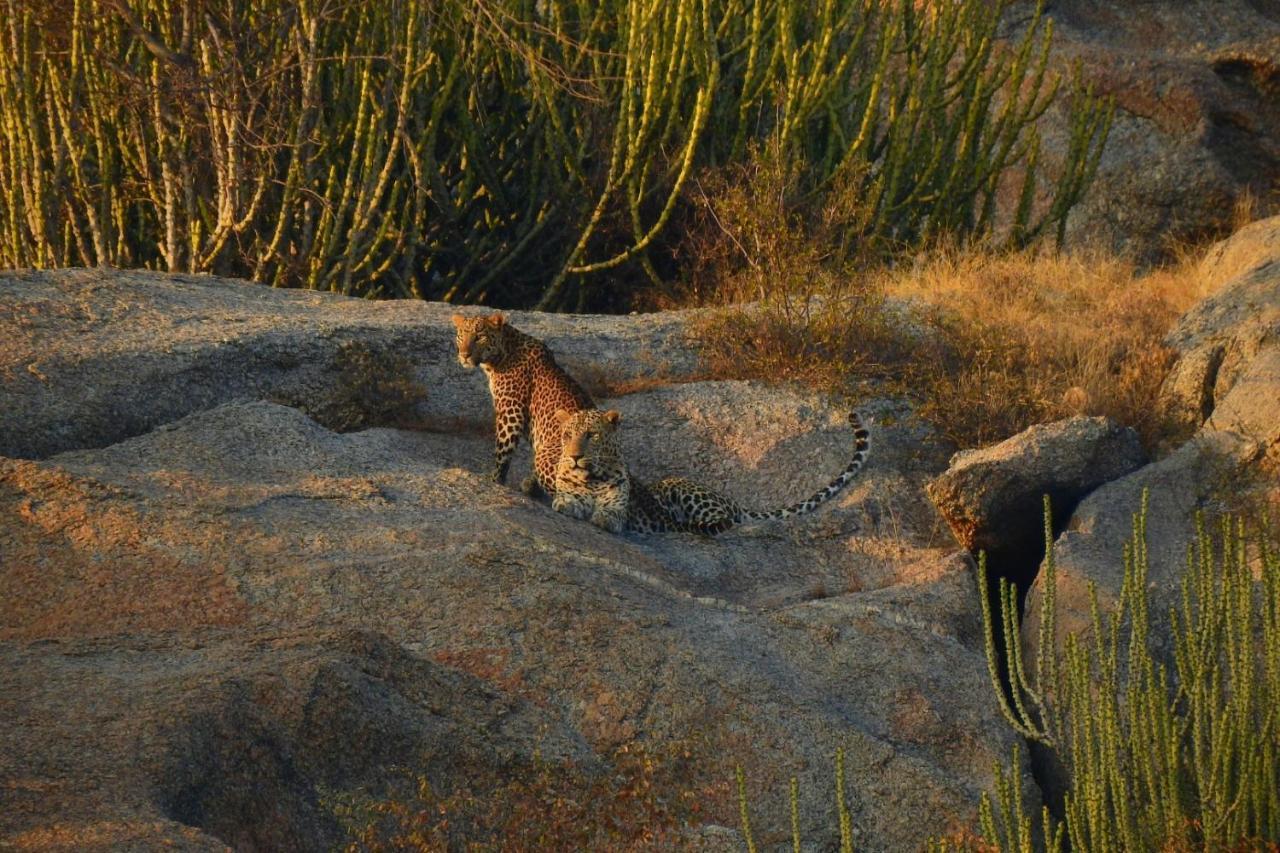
1197	124
1228	371
1226	382
1252	247
89	357
215	608
992	497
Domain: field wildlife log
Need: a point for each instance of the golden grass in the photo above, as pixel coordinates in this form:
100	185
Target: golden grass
989	343
1044	336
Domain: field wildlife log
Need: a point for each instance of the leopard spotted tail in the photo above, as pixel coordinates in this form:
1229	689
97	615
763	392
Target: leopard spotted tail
861	449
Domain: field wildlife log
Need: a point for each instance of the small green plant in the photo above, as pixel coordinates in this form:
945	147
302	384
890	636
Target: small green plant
842	810
1159	755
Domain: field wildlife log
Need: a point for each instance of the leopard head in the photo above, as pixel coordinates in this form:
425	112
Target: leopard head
589	445
482	340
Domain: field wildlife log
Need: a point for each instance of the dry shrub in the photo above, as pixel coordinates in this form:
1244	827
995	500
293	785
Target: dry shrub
374	388
640	801
1039	336
759	238
989	343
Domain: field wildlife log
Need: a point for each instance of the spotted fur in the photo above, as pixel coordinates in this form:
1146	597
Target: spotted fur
528	388
594	484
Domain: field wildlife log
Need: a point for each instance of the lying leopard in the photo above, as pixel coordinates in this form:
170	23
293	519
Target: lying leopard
594	484
528	388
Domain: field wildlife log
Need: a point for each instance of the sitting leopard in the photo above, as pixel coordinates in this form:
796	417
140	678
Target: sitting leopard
528	388
594	484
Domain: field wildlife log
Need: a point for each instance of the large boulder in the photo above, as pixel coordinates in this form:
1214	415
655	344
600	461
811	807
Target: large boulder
1227	373
89	357
1197	124
215	623
992	497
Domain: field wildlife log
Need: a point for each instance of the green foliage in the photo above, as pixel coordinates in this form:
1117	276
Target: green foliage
1185	757
500	150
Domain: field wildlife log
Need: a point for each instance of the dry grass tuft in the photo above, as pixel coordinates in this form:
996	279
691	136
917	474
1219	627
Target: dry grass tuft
989	343
640	801
374	388
1035	337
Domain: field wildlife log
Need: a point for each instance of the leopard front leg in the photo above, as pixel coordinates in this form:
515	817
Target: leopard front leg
612	505
573	504
508	424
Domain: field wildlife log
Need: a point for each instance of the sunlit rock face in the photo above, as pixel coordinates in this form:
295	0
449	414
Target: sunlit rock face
219	610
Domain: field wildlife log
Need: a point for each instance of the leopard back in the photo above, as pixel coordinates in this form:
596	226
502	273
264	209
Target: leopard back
527	387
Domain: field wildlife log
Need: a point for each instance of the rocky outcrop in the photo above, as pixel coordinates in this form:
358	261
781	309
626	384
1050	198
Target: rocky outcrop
992	497
1227	376
90	357
218	611
1197	123
1201	476
250	560
1226	383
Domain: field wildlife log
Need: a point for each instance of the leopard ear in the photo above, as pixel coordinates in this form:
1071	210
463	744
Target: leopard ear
613	416
458	320
496	320
562	416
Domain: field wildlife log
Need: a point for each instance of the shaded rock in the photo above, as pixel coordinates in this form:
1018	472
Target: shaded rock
210	624
1197	124
991	498
89	357
1228	371
124	746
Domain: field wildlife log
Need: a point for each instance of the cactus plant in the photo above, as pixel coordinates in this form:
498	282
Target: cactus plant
499	150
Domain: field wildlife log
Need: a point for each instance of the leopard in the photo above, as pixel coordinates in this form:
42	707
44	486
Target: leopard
527	387
593	483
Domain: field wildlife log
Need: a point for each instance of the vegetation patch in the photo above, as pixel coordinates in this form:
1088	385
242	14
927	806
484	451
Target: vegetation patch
503	151
638	800
1173	750
988	340
1163	751
988	343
